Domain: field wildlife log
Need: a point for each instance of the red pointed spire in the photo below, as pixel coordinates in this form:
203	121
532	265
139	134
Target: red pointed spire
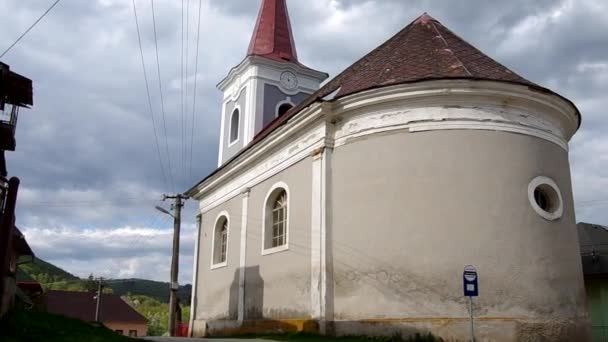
272	37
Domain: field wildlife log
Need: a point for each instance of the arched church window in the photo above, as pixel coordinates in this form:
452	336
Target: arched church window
220	242
284	108
276	219
279	220
234	125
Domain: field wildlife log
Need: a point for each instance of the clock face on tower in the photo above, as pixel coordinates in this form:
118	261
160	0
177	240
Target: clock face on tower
289	80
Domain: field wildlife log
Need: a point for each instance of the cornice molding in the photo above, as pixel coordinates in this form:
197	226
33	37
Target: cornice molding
466	94
261	61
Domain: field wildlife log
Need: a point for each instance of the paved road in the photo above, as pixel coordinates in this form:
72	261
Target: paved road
178	339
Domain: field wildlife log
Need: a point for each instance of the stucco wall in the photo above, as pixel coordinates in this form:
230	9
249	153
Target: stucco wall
272	96
410	210
231	150
217	291
278	285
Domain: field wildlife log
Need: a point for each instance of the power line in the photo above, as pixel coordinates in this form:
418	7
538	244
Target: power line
97	204
162	101
198	35
30	28
143	64
185	118
182	85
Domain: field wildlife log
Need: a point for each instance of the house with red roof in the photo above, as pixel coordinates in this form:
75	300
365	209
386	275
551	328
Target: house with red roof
114	312
352	207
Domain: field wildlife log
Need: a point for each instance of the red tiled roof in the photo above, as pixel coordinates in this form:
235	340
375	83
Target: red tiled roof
424	50
272	37
30	286
82	305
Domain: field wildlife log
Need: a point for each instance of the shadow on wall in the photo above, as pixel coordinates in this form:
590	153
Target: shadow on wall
254	295
254	321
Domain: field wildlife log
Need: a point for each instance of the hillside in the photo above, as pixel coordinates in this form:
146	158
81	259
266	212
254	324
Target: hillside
41	267
150	288
55	278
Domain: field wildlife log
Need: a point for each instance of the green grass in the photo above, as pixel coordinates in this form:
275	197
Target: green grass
307	337
24	326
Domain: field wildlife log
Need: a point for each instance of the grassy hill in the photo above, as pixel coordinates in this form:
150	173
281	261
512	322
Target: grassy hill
41	267
150	288
55	278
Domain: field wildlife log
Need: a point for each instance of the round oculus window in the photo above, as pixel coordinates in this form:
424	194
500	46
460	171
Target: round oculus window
545	198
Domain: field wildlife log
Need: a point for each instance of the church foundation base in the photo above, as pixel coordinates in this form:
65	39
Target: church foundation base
448	329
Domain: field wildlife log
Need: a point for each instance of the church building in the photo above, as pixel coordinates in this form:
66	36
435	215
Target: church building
351	207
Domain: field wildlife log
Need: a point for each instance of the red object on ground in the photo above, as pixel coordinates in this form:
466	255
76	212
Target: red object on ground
181	330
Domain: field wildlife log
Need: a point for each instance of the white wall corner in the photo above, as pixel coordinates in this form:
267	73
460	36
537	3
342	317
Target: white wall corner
319	241
222	128
193	296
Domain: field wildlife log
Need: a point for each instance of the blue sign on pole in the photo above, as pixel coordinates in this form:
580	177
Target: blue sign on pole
469	278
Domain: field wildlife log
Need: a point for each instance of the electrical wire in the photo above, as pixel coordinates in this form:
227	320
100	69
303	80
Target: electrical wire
139	202
185	120
182	84
30	28
162	101
198	34
143	64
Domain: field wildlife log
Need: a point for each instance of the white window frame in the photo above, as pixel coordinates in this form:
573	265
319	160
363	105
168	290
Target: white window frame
273	250
547	182
287	101
223	214
238	130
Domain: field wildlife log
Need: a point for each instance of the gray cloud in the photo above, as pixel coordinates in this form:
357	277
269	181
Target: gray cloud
86	152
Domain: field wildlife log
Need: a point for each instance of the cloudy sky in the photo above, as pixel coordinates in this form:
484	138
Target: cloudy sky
86	151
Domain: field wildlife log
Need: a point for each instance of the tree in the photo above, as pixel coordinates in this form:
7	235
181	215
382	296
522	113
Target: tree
91	284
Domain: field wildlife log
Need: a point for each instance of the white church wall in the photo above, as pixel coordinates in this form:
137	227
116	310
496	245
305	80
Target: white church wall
229	149
410	210
217	291
425	179
277	285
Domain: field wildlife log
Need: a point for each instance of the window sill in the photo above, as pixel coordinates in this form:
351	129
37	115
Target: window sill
218	266
275	250
230	144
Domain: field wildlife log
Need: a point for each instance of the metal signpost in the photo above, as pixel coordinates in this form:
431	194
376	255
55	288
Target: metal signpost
471	289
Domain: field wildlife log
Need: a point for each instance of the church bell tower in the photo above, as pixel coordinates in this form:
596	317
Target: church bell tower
266	84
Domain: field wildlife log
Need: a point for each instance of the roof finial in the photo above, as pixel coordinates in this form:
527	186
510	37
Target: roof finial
425	18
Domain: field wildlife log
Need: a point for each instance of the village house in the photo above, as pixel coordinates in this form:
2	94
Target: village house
352	207
114	313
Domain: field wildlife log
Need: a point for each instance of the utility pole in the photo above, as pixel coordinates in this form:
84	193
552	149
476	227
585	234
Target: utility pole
99	292
174	286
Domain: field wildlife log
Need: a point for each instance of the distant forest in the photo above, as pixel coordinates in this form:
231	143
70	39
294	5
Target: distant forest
148	297
52	277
